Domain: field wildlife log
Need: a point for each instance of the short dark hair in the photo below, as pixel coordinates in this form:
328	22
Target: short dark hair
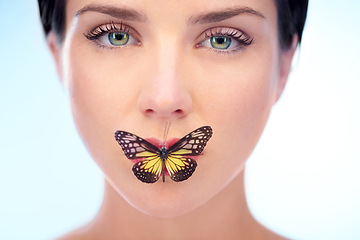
52	14
291	18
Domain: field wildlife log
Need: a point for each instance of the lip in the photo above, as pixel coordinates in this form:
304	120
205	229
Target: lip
168	143
159	143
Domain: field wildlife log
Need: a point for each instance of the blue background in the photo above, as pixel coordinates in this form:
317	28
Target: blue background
302	181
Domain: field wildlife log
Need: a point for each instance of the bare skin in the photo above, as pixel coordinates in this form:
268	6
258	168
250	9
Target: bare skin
226	216
191	63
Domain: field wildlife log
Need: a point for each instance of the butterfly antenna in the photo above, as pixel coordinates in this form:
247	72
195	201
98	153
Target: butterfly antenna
167	127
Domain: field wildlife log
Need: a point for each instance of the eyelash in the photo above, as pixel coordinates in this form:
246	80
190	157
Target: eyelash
240	37
108	28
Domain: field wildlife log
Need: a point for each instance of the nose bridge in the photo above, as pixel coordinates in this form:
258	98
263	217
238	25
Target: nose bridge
167	64
165	95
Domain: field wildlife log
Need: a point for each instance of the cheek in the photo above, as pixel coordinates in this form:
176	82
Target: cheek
88	95
96	92
238	105
102	91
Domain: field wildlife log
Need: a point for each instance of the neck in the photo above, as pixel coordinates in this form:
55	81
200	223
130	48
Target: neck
225	216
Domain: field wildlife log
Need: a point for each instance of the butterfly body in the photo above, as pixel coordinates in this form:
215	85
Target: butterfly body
154	160
163	156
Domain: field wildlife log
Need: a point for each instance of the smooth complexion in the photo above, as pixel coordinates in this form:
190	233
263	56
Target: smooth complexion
136	65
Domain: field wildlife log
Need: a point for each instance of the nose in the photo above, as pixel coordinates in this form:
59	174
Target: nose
164	94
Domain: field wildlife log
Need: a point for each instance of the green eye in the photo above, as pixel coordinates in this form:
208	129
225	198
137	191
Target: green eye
220	42
118	38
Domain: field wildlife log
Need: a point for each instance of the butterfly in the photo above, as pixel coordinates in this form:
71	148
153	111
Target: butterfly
175	159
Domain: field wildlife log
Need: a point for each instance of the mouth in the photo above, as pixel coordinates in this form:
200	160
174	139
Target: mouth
167	144
154	157
160	144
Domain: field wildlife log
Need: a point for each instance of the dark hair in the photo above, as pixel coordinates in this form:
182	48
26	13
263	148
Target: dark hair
52	14
291	18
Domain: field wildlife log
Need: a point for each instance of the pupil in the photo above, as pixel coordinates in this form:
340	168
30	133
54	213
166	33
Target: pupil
220	40
119	36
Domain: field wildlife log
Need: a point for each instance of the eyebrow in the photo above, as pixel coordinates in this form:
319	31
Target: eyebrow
121	13
218	16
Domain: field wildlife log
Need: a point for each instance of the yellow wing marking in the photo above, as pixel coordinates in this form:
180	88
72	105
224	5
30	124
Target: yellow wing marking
146	154
182	151
174	164
153	165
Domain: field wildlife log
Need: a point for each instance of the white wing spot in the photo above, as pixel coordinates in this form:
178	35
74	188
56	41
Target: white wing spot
187	146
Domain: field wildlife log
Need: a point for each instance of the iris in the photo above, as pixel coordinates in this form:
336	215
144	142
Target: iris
118	38
220	42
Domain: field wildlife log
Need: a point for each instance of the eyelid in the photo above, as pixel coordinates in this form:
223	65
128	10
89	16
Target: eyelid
224	31
110	27
241	37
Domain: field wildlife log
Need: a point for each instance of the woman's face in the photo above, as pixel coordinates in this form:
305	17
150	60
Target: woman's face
136	65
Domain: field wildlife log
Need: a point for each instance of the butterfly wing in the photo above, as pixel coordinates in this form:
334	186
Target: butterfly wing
134	146
150	168
193	143
180	168
178	165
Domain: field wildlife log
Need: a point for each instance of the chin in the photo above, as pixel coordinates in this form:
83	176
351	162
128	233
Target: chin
169	199
167	210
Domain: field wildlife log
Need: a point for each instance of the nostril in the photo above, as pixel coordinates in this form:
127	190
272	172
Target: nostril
179	113
149	111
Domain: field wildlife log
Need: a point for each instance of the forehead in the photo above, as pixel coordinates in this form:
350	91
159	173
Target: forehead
164	10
